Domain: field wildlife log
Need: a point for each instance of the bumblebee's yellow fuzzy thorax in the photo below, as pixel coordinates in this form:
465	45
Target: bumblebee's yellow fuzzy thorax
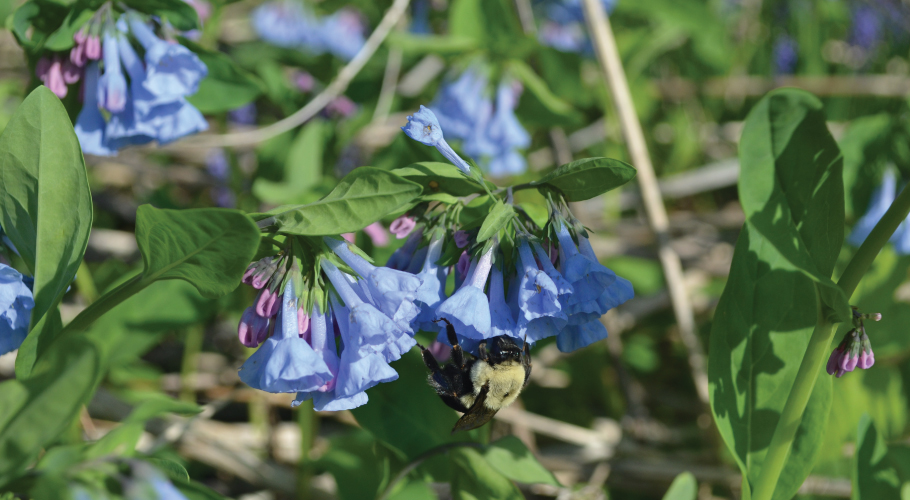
504	379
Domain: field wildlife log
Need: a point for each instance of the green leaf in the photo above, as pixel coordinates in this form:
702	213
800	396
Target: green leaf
436	177
62	38
174	470
761	329
120	441
45	203
684	487
476	479
226	86
874	474
538	101
303	166
355	454
208	247
511	458
791	186
361	198
431	44
161	405
500	215
406	414
62	382
584	179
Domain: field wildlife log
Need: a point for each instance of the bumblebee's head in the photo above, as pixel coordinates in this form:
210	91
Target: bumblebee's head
504	348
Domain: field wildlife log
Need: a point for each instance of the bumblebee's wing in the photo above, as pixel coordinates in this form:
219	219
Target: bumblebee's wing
477	415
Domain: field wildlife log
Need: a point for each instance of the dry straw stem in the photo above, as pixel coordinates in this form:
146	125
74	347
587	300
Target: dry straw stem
611	65
333	90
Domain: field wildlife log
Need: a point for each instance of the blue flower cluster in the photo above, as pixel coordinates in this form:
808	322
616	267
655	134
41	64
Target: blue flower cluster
332	353
490	134
563	25
882	198
146	103
16	304
290	24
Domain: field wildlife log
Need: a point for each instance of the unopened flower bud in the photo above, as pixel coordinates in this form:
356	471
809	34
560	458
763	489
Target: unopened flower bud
402	226
461	238
268	303
303	324
253	329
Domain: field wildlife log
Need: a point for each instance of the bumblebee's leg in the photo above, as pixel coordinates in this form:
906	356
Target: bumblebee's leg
526	361
482	351
446	382
457	351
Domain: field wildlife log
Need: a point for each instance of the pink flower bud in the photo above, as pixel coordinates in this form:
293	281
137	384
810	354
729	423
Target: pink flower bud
80	36
440	351
349	237
304	81
402	226
464	262
248	275
834	361
877	316
848	362
866	359
377	234
77	55
343	106
93	47
71	72
54	80
461	238
253	329
303	324
267	304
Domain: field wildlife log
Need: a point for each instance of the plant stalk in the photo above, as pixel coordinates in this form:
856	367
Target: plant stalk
308	422
819	345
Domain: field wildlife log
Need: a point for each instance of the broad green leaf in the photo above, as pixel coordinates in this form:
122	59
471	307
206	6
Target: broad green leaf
119	441
465	19
500	215
197	491
475	212
361	198
584	179
45	203
62	382
303	167
226	86
406	414
761	328
355	454
511	458
62	38
684	487
874	473
20	23
476	479
174	470
791	186
438	177
40	336
208	247
538	101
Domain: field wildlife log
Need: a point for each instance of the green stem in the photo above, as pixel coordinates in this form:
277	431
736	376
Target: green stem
192	346
819	346
105	303
308	422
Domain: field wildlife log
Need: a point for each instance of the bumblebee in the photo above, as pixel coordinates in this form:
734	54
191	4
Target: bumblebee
479	386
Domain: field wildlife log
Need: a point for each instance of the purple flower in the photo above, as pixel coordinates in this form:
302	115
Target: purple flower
127	126
854	350
285	24
253	329
342	34
16	303
459	103
468	309
866	31
462	238
785	55
216	163
431	292
322	339
112	86
424	128
574	337
173	70
392	292
401	258
367	326
244	115
362	365
90	125
540	312
286	362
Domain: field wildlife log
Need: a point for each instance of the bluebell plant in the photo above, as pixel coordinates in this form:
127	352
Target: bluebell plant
563	24
292	24
128	99
16	304
490	132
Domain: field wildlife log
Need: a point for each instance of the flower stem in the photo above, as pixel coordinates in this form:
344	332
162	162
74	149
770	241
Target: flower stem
819	345
308	422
